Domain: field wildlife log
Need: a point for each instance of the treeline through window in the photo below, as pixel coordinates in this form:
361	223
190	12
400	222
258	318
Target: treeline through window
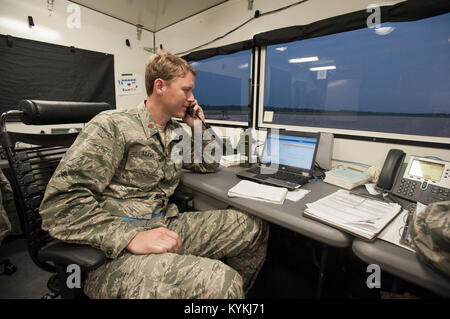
394	78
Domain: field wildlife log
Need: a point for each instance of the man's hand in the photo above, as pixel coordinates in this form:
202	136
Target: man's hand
189	119
155	241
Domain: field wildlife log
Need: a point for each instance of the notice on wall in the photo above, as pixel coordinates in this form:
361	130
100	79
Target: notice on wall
321	74
268	116
129	84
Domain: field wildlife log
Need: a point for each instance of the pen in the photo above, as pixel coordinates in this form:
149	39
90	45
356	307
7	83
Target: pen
406	228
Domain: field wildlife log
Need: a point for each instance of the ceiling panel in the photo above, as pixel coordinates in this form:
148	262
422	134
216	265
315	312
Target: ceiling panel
153	15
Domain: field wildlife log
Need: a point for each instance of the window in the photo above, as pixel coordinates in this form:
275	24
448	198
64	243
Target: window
391	79
222	87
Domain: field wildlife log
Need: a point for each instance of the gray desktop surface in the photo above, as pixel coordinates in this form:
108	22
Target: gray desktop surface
288	215
391	258
402	263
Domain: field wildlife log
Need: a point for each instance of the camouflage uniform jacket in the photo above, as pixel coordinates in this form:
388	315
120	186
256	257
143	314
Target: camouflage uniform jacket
116	168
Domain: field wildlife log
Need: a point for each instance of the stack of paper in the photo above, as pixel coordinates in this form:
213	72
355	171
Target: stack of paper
230	160
234	160
256	191
358	215
346	177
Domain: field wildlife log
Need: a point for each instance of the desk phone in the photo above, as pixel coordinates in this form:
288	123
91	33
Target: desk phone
424	180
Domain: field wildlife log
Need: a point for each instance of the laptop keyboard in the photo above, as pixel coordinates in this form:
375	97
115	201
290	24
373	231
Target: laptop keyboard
280	175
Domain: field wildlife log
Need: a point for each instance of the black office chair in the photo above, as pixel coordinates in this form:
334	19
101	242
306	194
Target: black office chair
31	169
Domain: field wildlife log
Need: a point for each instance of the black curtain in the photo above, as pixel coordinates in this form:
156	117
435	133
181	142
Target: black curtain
38	70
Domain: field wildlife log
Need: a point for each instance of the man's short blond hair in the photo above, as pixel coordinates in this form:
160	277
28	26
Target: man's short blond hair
166	66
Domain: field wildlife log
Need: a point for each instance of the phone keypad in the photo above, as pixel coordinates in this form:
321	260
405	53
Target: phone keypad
407	187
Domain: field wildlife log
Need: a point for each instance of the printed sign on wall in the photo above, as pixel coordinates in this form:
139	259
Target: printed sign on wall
128	84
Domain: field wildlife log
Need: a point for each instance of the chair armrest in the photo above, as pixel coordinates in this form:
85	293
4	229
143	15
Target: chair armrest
180	196
85	256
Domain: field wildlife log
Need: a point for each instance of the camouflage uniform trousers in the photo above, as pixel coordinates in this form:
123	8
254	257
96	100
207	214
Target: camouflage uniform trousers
7	208
240	240
9	219
5	225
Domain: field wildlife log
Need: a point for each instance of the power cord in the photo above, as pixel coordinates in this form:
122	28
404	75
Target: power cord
319	172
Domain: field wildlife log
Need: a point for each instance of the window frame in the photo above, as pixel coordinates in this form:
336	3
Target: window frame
251	97
395	138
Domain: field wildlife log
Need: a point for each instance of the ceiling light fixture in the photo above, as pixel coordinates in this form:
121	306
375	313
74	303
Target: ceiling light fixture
320	68
302	60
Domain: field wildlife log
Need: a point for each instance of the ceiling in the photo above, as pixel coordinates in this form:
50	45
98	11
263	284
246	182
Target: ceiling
153	15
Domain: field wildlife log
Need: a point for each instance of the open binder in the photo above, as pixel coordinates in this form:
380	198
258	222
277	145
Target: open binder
357	215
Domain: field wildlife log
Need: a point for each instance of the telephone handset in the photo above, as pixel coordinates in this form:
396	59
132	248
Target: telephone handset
422	179
190	111
389	172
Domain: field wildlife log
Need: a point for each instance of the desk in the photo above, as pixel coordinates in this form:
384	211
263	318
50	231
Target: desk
391	258
402	263
288	215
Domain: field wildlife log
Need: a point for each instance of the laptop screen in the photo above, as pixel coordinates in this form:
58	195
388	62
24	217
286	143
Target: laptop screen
290	150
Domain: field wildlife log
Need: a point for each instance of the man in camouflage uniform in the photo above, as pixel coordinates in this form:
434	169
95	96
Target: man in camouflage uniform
430	233
5	225
111	192
9	220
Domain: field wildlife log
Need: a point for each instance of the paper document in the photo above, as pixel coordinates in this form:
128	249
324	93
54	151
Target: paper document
359	215
256	191
230	160
234	160
297	194
371	189
393	232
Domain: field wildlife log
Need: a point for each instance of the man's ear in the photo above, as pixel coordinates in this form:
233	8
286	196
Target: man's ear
159	86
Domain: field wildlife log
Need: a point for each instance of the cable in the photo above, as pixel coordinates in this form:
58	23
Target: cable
434	157
241	25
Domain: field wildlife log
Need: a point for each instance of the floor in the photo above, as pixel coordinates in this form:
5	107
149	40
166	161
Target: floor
29	281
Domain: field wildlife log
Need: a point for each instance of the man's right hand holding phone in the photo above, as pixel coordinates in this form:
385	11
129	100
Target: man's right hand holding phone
193	112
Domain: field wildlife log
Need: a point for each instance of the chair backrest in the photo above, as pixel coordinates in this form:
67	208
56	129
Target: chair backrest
33	166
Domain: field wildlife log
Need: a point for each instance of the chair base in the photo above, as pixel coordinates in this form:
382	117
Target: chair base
7	268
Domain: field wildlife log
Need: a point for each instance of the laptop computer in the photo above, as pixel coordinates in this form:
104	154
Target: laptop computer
287	159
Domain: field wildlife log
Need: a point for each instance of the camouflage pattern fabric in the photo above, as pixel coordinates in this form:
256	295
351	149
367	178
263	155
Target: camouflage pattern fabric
118	167
5	225
431	236
9	220
230	235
